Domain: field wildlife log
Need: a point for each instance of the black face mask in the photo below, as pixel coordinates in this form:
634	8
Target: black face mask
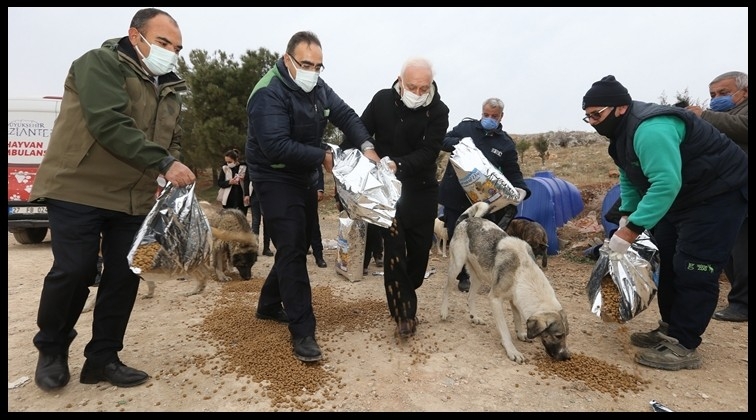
607	127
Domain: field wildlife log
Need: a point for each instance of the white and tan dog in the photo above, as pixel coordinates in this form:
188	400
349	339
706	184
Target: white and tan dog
441	236
508	266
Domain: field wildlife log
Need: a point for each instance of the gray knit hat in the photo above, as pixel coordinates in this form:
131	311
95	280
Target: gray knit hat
606	92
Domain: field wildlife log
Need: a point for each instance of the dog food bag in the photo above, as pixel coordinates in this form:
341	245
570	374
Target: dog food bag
176	222
367	191
623	285
481	180
350	247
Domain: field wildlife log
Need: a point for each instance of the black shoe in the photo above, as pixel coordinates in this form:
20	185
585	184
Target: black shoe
464	285
365	271
267	252
731	314
406	328
52	371
379	262
306	349
116	373
278	316
52	368
320	262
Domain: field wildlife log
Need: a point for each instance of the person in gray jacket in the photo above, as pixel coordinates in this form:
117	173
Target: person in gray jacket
728	112
117	132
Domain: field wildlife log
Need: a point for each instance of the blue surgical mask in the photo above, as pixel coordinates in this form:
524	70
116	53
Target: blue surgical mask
722	103
489	123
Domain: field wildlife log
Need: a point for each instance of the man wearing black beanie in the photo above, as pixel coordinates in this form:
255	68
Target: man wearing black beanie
678	176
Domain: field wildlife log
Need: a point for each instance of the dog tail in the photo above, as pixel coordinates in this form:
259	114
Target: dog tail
478	209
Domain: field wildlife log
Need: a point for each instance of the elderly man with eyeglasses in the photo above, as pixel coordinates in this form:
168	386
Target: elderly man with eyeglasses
687	182
288	111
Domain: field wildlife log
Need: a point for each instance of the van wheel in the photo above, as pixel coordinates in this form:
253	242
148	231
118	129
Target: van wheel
30	235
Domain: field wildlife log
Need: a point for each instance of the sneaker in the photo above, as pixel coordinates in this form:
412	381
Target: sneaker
464	285
732	314
365	271
651	338
669	355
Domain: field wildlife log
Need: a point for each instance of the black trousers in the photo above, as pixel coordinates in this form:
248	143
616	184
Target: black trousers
316	239
737	270
373	244
406	250
290	213
257	219
76	232
694	246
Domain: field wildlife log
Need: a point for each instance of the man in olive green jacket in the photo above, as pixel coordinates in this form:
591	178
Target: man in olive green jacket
117	132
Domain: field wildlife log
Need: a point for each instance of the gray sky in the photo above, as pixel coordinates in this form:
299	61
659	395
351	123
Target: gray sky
539	61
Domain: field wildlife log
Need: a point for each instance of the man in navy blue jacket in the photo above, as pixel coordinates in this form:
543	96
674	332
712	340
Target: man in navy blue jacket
496	145
288	111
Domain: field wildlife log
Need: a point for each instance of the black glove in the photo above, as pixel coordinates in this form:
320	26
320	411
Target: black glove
449	143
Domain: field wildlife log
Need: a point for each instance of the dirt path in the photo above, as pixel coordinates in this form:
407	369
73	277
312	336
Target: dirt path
208	353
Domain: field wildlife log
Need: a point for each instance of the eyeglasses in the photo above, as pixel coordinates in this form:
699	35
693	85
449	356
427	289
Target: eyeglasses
595	115
307	66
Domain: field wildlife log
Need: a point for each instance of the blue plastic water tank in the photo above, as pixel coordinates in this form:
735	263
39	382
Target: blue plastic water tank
552	203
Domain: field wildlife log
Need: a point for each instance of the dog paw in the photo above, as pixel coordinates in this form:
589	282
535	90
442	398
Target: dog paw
516	356
192	293
476	320
224	278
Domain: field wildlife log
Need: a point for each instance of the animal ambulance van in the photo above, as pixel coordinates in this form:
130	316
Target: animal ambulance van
30	122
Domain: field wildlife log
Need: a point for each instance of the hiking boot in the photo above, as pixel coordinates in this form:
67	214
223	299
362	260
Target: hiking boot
651	338
669	355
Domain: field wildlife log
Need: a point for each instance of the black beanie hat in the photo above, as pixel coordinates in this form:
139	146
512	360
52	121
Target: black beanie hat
606	92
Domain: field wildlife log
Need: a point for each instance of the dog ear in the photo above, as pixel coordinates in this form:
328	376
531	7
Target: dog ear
540	322
536	325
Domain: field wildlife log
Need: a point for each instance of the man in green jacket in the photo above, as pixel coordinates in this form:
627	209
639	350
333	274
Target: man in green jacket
117	132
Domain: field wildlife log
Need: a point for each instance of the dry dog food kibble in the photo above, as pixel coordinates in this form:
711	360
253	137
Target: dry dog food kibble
145	256
610	300
595	373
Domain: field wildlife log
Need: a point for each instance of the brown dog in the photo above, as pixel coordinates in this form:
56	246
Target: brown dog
533	233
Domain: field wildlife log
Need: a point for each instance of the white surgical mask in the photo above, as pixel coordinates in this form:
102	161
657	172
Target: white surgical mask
160	61
231	165
306	79
412	100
